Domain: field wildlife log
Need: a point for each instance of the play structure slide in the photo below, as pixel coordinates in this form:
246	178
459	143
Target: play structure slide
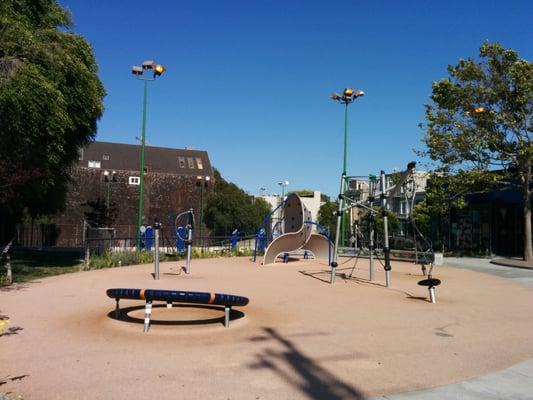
297	233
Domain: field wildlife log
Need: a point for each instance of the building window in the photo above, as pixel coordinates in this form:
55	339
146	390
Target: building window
181	162
134	180
80	154
199	163
190	161
105	157
94	164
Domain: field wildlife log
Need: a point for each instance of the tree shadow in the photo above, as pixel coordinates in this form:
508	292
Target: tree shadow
315	381
16	286
123	315
14	330
8	378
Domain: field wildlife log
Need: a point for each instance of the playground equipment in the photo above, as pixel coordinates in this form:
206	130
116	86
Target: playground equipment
175	296
383	194
183	226
297	233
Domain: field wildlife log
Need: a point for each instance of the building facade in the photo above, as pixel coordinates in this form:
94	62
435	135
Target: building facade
107	174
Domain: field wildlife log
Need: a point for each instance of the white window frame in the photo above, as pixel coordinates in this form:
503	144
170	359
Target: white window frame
134	180
94	164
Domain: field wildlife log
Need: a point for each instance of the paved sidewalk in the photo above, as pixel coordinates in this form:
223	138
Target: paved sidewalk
514	383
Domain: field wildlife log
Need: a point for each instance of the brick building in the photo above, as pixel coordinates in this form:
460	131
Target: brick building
174	181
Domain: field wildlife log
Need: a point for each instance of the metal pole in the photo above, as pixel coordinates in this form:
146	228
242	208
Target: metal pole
334	263
157	226
432	297
141	170
344	168
201	215
371	233
189	245
386	249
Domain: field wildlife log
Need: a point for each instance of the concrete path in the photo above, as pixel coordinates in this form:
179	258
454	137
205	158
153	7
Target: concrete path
512	383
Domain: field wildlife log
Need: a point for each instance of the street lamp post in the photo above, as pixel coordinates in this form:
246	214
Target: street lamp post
348	96
108	179
283	184
138	71
202	182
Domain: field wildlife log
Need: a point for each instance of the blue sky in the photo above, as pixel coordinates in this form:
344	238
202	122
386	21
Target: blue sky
249	81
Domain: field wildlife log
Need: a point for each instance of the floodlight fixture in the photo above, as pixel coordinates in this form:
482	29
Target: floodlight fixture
478	110
348	95
159	69
150	64
335	96
136	70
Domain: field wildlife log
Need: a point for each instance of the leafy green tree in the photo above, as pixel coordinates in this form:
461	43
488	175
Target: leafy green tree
100	214
392	221
481	119
229	207
50	101
327	217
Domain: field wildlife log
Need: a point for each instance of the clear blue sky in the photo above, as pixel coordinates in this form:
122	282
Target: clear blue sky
248	81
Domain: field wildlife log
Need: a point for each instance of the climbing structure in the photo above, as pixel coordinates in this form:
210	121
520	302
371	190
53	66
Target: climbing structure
297	233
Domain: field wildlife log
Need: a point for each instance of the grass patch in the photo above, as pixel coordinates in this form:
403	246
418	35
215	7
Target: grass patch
28	265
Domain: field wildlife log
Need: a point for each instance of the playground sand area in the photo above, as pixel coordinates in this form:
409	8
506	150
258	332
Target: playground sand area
298	338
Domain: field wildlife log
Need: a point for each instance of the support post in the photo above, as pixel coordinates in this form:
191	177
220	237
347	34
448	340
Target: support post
386	249
334	263
227	313
157	227
117	308
432	297
147	315
189	246
371	258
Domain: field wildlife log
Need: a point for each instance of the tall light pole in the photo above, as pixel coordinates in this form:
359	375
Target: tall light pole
283	184
108	179
348	96
138	71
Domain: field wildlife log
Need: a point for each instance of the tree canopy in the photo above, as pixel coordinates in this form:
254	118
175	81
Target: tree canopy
229	207
481	121
50	101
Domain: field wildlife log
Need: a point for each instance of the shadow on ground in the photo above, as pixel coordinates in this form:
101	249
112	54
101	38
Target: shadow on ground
123	315
301	371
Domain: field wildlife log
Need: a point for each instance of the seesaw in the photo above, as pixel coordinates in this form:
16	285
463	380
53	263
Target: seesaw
176	296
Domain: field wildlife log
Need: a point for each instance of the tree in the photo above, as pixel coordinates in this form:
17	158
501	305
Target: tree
229	207
327	216
100	214
481	120
50	101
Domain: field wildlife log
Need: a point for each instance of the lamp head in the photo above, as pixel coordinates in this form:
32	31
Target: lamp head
150	64
348	92
159	70
335	96
136	70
